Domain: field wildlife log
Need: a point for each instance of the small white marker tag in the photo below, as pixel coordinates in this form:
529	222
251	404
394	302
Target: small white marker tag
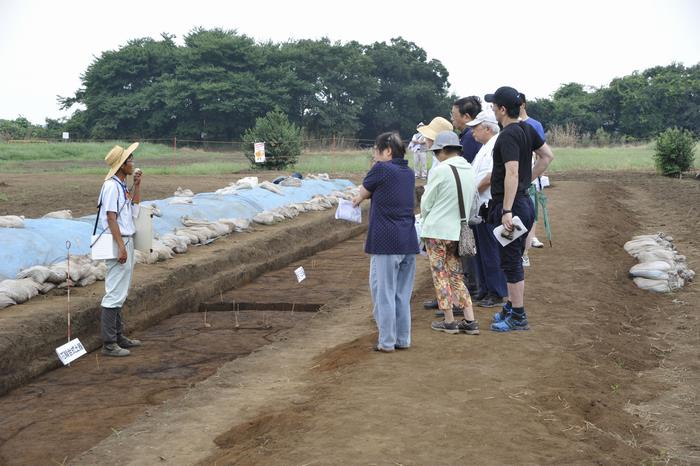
70	351
301	275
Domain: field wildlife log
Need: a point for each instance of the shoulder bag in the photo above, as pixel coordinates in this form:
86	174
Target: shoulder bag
467	243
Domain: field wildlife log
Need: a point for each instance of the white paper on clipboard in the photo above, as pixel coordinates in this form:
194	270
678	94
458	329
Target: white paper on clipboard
516	234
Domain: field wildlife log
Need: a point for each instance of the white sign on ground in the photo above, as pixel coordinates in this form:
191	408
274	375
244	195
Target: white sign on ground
70	351
259	152
301	275
66	135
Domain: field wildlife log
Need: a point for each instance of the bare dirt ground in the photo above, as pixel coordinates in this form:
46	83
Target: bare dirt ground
609	374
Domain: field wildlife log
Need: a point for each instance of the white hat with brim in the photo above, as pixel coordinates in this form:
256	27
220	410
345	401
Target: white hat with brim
437	125
116	157
484	116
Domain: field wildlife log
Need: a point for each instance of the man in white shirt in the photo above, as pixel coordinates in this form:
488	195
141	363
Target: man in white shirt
117	210
418	146
492	279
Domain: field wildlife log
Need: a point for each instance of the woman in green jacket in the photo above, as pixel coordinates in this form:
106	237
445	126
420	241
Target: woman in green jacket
440	232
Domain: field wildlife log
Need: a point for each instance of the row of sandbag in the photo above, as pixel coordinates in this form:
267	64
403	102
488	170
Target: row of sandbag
197	232
661	268
84	271
42	279
17	221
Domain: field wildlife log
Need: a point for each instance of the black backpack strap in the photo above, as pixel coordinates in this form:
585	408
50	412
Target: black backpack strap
462	213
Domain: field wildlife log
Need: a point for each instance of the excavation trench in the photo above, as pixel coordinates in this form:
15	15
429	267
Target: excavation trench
67	411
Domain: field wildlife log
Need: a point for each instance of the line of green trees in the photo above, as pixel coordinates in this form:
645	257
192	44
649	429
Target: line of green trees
215	86
218	82
635	107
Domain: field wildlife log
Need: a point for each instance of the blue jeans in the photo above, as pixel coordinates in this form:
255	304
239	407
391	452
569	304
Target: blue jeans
391	283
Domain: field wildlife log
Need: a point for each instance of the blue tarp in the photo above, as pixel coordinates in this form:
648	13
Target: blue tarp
43	241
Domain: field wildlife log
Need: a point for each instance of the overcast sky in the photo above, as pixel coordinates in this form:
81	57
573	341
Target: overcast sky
534	46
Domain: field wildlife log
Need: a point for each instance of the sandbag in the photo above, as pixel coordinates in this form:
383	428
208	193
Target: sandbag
271	187
178	243
11	221
6	301
59	214
162	251
145	258
264	218
657	270
19	290
657	286
180	200
180	192
653	255
291	181
38	273
237	224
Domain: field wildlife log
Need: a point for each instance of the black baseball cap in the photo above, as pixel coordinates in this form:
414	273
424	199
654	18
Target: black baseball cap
504	96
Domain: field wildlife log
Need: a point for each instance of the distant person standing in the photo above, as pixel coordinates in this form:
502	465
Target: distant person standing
465	110
511	177
536	185
419	148
391	240
117	209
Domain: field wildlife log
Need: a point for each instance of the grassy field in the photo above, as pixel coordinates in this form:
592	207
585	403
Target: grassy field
87	158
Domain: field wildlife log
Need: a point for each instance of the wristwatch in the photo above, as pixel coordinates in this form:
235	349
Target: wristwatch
506	211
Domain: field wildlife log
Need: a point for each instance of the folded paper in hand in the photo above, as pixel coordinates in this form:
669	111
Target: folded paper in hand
346	211
518	231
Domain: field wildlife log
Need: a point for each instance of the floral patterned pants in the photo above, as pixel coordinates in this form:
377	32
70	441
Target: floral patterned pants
448	276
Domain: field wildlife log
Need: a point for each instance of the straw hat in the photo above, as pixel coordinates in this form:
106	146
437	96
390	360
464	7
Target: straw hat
116	158
437	125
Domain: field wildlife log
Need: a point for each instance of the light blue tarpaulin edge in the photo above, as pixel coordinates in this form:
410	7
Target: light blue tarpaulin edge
43	241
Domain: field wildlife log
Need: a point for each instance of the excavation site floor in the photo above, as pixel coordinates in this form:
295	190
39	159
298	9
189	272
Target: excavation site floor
608	373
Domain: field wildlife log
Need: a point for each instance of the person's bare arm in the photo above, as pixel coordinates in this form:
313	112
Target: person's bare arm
116	234
544	158
364	194
511	187
136	198
485	183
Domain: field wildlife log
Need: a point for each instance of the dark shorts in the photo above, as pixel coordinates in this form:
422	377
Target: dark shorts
512	254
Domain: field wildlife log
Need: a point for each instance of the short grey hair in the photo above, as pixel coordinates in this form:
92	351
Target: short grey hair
492	126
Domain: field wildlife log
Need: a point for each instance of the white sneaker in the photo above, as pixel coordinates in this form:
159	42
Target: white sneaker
535	243
526	261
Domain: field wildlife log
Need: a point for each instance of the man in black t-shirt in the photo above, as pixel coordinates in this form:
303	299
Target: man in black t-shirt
510	179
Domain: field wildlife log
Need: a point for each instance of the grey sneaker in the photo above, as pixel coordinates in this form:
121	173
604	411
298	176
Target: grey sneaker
113	349
125	342
447	327
470	328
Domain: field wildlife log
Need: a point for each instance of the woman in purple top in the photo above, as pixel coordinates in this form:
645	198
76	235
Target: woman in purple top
391	240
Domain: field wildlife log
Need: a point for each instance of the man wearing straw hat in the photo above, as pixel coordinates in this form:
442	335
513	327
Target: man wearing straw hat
117	208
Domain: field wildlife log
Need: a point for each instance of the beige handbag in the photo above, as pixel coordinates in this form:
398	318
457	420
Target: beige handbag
467	242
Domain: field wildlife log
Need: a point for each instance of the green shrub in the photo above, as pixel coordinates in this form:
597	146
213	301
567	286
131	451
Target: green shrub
282	141
674	151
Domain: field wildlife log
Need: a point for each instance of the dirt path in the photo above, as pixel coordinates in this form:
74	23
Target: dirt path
609	374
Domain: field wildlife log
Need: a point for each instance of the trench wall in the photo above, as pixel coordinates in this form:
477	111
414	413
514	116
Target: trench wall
30	332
